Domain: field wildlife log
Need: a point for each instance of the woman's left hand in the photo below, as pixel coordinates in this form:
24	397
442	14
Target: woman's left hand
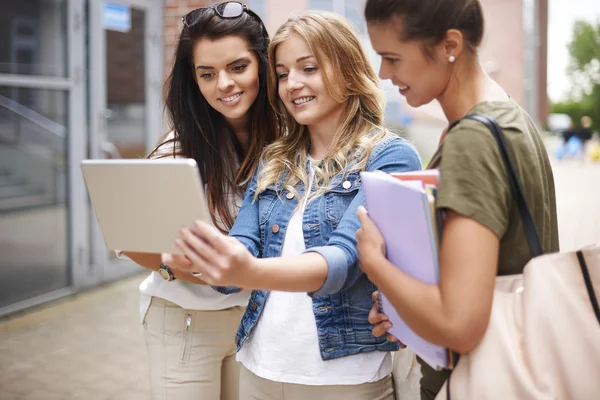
381	322
217	259
370	243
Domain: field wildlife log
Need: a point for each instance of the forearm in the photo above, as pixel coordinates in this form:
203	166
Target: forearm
152	261
419	304
303	273
454	313
149	261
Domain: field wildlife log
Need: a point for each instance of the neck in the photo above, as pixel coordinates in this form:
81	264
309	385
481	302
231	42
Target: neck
468	86
240	127
321	135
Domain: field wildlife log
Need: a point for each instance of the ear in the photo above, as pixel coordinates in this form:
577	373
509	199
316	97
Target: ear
451	47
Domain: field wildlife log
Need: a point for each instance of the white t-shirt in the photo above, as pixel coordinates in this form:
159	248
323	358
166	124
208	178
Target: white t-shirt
184	294
284	346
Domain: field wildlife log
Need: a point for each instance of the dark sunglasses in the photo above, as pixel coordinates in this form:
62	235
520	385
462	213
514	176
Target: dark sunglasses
225	10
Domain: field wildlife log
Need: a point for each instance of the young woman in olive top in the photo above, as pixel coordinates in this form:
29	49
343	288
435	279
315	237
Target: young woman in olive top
429	50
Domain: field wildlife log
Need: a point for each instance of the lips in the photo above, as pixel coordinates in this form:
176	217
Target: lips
231	98
303	100
403	90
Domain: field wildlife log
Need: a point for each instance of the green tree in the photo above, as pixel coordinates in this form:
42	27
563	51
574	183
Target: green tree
585	53
584	72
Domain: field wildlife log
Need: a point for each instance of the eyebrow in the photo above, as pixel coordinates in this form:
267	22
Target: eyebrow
386	54
297	60
228	65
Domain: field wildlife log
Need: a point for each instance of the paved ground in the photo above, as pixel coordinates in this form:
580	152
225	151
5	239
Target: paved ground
90	346
578	203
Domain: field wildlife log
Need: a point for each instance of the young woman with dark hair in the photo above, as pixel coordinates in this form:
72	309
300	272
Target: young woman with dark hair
216	100
429	51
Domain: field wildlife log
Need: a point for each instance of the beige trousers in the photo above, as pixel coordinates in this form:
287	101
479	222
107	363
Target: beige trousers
406	374
191	353
253	387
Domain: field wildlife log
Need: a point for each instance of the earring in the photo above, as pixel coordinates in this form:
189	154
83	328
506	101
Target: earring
451	59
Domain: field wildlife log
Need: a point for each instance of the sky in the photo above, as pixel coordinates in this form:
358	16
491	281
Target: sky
561	16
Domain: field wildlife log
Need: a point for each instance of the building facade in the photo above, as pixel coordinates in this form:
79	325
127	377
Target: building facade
83	79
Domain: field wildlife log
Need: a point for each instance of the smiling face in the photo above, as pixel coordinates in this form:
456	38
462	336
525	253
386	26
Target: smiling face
419	78
301	87
226	71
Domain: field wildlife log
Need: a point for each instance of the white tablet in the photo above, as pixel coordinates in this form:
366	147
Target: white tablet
141	205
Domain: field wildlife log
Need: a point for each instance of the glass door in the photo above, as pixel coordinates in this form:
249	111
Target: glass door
125	95
41	97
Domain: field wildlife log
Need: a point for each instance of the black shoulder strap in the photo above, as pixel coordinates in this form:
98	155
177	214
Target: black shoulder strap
533	239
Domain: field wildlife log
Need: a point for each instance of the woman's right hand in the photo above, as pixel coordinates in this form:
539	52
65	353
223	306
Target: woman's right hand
180	266
381	322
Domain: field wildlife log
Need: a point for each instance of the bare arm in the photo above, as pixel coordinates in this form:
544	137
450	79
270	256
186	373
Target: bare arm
149	261
456	312
225	261
475	191
303	273
176	264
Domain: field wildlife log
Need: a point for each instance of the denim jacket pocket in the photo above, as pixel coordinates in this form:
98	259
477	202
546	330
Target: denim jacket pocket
266	202
339	196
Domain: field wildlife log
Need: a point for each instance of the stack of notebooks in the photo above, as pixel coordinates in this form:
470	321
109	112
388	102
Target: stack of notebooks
402	205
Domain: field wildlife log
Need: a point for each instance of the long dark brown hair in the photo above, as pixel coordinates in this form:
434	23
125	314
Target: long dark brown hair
201	132
429	20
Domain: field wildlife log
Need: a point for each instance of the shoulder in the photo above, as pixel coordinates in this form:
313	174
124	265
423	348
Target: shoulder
473	137
394	148
469	149
508	115
167	146
467	134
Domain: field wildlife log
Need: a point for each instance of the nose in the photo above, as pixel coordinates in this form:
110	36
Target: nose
384	72
293	83
225	82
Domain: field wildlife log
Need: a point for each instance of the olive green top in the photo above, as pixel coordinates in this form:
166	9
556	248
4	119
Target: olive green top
474	183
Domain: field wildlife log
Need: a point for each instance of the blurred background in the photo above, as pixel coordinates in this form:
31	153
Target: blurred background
83	79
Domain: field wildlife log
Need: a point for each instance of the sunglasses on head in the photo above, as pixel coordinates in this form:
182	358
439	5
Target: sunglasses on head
225	10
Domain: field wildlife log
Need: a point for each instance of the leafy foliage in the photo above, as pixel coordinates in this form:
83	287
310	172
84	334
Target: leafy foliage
584	72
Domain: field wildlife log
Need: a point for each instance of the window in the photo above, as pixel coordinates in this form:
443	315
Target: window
32	38
34	222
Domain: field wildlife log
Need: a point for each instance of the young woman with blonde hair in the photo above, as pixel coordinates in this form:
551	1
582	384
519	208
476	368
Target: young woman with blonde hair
305	332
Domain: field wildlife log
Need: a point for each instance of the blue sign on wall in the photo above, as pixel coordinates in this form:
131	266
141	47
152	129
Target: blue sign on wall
117	17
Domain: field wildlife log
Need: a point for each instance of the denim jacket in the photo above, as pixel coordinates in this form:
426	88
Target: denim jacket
341	306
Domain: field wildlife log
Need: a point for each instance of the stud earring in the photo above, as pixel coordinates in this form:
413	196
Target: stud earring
451	59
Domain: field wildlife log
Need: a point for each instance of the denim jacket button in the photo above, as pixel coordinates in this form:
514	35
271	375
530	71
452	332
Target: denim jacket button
289	196
346	184
275	228
254	306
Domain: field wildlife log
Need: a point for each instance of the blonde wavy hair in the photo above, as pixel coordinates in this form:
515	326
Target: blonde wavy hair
334	44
